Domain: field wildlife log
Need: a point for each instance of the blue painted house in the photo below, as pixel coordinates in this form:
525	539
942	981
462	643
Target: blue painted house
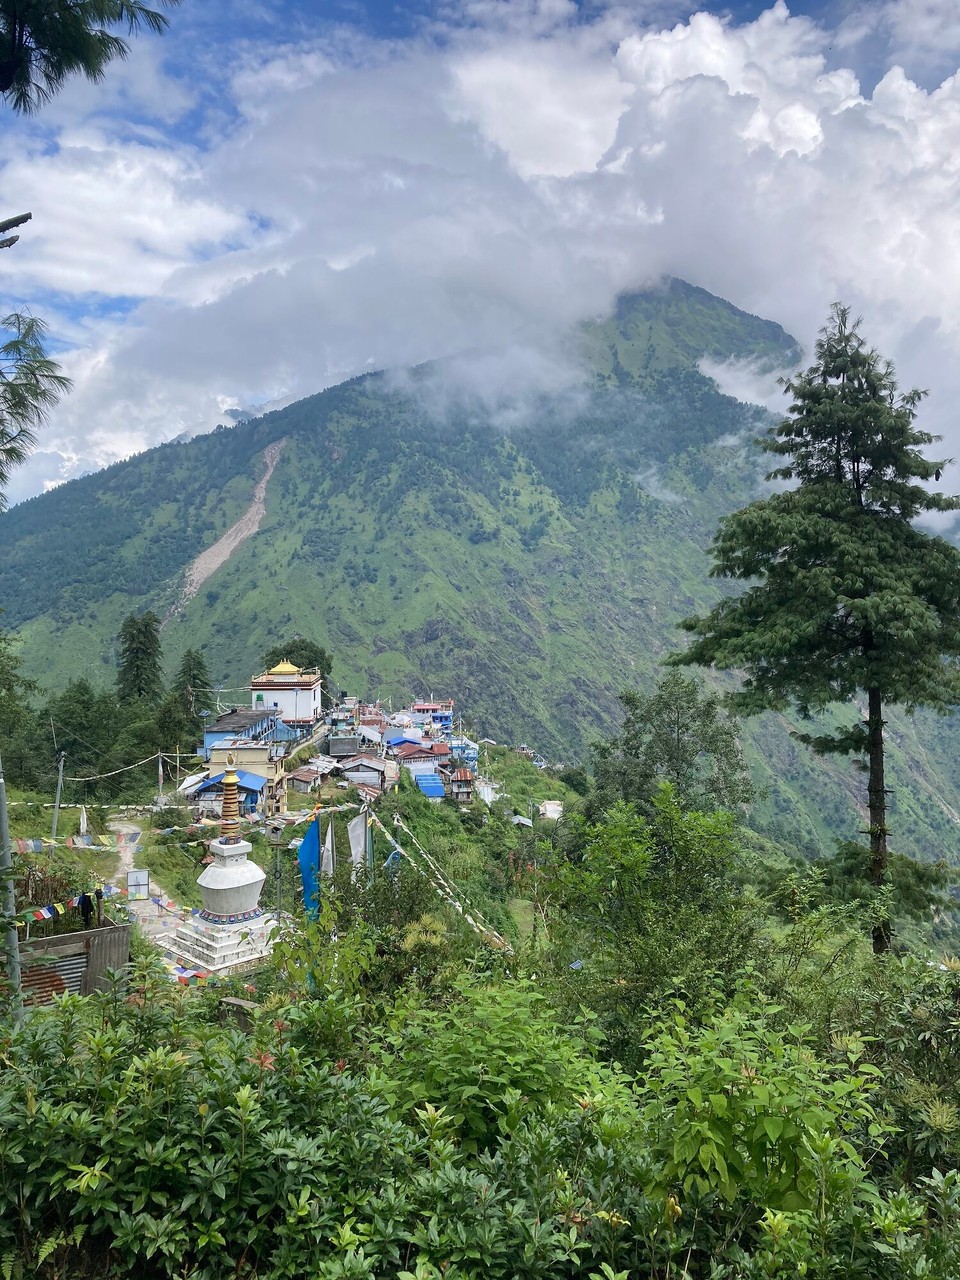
256	726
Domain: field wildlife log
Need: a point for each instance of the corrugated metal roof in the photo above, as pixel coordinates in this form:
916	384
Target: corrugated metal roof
237	719
430	784
249	781
463	775
429	750
191	783
366	762
56	977
306	773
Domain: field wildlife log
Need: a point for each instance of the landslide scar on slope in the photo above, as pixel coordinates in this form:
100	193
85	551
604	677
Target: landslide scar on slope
209	561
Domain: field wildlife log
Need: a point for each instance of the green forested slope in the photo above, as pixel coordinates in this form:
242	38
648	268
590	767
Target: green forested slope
532	573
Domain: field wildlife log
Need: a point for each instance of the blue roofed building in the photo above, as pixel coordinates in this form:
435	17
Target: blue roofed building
462	748
207	794
431	785
254	726
437	714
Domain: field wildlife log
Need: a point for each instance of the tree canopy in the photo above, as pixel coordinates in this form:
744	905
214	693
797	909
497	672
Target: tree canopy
678	734
301	652
845	595
30	385
43	44
139	677
307	655
192	683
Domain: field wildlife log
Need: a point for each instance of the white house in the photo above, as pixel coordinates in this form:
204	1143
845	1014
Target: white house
293	693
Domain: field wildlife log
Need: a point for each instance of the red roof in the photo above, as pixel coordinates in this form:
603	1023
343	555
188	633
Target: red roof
462	775
428	750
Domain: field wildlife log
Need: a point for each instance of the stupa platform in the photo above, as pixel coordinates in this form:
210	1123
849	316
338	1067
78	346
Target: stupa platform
222	948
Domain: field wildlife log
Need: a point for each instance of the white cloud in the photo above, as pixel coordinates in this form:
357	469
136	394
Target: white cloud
344	204
748	380
114	218
550	108
922	34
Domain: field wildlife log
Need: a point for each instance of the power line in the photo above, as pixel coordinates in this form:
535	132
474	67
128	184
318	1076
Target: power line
95	777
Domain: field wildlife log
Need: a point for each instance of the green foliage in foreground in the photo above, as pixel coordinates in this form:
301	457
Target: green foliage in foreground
138	1136
721	1085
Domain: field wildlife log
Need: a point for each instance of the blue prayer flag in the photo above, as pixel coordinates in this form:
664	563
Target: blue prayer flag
309	858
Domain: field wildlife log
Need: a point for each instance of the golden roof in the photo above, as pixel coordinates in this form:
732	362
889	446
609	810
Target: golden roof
284	669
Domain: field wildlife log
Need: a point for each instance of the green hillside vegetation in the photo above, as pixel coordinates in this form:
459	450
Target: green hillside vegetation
671	1075
532	573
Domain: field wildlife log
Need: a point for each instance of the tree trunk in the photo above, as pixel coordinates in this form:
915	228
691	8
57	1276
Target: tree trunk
877	797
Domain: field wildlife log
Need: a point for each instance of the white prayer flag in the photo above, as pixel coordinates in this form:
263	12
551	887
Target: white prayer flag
328	858
357	828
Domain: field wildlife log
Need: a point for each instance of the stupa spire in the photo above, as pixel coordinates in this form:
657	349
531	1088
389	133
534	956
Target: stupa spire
230	810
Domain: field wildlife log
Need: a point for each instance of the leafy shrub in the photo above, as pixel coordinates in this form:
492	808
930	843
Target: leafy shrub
138	1137
492	1056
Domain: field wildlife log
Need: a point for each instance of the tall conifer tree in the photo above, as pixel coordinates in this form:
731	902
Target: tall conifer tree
139	677
847	598
192	685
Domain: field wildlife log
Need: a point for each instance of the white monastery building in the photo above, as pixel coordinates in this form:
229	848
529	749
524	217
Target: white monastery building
292	692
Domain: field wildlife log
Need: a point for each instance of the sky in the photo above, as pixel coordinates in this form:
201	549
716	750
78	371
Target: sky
276	195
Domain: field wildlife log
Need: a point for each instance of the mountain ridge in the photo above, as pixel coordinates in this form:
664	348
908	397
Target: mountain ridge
532	573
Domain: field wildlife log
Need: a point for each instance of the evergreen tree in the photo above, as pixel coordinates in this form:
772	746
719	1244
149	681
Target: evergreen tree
30	385
17	717
192	684
177	728
139	676
677	734
847	597
14	687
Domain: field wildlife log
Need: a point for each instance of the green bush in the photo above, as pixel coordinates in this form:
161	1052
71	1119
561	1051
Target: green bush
138	1137
494	1055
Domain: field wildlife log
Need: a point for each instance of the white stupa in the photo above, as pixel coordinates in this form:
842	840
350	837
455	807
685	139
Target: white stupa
232	932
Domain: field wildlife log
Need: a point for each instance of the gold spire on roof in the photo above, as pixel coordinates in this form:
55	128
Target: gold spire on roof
230	812
284	668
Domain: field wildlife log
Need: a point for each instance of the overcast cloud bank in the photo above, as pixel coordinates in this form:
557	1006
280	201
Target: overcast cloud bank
342	203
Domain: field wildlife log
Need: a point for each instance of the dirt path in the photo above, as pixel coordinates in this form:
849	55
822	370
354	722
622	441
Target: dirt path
155	922
209	561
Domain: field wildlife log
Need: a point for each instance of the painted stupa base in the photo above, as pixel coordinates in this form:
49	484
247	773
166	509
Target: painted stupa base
222	948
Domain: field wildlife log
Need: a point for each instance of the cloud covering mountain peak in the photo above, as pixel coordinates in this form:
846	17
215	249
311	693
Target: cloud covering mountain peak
249	221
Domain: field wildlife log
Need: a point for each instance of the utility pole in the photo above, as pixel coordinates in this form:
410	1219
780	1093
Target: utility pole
61	757
276	839
8	908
